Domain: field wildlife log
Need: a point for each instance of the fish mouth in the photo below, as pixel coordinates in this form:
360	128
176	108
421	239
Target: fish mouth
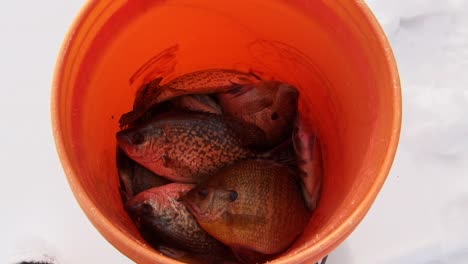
126	144
194	209
200	214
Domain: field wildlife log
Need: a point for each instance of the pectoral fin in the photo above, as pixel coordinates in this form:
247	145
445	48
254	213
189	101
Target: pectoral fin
244	220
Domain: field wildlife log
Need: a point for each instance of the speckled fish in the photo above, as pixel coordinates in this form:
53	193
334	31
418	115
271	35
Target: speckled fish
135	178
188	146
160	212
252	206
270	105
309	162
198	82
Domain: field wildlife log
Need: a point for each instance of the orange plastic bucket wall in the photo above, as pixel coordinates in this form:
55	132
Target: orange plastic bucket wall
333	51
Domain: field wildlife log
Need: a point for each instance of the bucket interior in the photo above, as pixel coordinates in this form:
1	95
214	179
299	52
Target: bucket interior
327	49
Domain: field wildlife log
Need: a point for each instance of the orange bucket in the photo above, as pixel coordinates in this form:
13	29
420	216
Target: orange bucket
333	51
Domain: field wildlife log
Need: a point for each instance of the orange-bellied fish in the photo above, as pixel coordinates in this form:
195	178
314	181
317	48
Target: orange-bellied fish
253	206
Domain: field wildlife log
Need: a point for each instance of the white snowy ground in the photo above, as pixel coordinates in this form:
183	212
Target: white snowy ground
420	216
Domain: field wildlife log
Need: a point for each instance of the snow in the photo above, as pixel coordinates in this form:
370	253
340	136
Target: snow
39	215
421	213
419	217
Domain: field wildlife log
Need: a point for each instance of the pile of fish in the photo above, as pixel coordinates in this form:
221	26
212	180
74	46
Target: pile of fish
216	166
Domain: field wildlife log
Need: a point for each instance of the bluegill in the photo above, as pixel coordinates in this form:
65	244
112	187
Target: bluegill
188	146
270	105
160	212
252	206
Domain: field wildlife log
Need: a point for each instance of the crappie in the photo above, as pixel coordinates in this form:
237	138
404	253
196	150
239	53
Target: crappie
188	146
199	82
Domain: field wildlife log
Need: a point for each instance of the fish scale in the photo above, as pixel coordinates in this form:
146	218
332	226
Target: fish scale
185	146
170	220
264	216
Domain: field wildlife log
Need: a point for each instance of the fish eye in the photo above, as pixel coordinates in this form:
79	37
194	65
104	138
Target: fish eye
203	193
137	138
274	116
232	195
146	209
166	219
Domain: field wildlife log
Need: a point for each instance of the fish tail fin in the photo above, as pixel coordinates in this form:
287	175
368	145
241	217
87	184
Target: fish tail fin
283	153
